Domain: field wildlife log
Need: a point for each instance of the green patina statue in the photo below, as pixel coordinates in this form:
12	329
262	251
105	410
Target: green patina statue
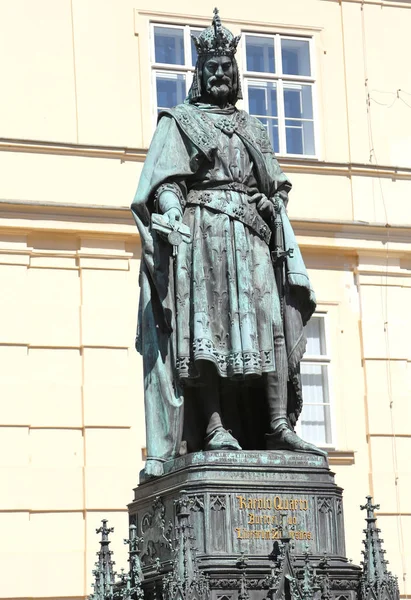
224	290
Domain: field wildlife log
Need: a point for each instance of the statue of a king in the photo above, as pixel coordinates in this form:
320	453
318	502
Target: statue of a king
224	291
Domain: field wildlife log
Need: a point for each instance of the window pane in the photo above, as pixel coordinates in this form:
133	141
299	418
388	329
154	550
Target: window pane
257	101
171	90
298	105
315	424
262	99
298	101
169	45
315	417
299	137
315	334
295	57
294	140
195	33
273	134
260	54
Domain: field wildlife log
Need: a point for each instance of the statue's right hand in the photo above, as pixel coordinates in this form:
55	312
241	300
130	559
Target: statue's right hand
173	215
264	206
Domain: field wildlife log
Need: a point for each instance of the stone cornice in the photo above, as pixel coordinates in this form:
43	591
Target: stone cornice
360	230
169	17
125	153
97	220
67	149
341	237
341	457
388	3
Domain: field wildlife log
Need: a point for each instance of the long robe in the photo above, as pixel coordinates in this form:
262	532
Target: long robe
218	301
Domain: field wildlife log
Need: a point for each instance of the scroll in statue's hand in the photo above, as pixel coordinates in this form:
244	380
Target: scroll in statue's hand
264	206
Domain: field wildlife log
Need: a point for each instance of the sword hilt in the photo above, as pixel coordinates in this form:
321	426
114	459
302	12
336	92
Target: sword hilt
278	256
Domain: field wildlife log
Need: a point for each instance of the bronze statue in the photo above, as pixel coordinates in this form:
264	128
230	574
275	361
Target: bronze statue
224	290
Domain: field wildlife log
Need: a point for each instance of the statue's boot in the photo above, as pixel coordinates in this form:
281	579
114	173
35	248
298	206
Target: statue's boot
287	439
153	468
217	437
221	439
282	436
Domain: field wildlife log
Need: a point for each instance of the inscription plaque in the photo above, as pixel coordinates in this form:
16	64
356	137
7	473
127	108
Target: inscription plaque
274	511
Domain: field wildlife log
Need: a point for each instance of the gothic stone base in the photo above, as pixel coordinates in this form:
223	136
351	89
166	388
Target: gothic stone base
239	502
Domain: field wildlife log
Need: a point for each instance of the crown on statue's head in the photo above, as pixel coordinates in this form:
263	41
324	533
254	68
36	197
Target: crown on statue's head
216	40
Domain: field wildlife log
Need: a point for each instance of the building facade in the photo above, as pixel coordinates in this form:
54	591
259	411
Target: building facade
82	83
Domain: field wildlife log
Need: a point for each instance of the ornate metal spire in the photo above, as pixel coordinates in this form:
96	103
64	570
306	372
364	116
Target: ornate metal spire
185	581
242	565
131	582
284	583
323	578
128	585
277	559
377	583
309	585
104	575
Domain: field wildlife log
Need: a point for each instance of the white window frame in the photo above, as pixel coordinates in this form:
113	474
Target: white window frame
187	69
280	79
323	360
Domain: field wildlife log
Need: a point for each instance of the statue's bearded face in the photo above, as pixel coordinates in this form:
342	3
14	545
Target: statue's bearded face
218	77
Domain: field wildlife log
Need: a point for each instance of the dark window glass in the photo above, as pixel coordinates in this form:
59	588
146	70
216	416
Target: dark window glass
295	56
260	54
171	90
169	45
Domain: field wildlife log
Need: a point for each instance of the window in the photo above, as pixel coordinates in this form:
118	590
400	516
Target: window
280	89
173	57
315	423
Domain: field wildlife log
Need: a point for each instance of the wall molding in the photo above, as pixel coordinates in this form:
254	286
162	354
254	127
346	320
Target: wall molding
353	238
341	457
181	18
122	153
131	154
382	3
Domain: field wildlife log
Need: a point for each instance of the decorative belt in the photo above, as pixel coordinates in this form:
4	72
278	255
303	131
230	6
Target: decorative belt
233	186
238	208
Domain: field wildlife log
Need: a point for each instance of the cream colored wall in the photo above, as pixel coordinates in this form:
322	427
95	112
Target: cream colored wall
73	425
76	119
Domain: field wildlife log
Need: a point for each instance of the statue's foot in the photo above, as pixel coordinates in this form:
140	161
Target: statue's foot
286	439
221	439
153	468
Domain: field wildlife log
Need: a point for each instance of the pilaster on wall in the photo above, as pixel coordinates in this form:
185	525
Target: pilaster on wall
385	293
72	420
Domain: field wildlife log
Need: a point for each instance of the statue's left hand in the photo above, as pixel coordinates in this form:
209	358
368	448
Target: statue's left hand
173	215
264	206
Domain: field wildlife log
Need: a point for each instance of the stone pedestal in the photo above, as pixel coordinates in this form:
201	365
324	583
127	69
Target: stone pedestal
239	502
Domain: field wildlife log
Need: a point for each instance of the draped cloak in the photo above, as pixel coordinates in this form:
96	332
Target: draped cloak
185	143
